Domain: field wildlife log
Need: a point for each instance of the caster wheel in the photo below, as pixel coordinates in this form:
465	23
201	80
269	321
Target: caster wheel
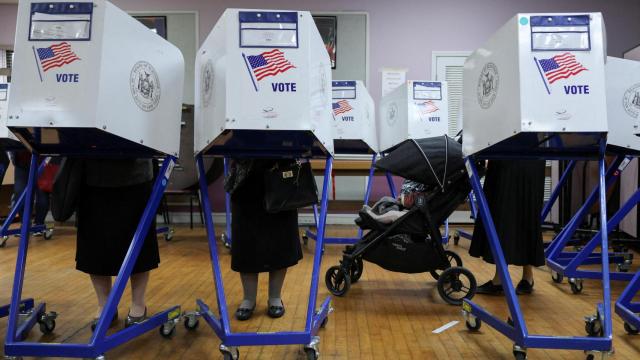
453	259
473	325
168	236
593	327
191	323
556	277
48	234
324	322
311	354
167	330
225	240
456	284
305	240
337	280
576	286
630	329
229	353
47	326
518	355
3	241
357	266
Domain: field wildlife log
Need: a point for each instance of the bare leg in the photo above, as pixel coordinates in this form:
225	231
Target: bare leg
139	283
250	289
102	287
527	273
276	280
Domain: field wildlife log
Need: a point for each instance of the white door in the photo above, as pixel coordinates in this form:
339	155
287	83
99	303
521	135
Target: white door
448	66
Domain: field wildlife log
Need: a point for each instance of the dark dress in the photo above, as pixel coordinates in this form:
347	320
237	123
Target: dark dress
108	217
515	194
261	241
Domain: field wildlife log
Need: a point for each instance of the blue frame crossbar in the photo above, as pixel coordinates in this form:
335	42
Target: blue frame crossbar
99	343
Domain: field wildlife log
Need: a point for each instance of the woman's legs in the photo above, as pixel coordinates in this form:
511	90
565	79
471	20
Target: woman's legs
139	283
102	286
250	290
276	280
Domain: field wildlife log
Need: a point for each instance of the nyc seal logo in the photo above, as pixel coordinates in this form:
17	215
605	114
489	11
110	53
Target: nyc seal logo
207	83
145	86
488	83
631	101
392	114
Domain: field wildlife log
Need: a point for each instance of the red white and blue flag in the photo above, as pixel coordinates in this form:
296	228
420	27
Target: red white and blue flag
561	67
341	107
269	63
56	56
428	107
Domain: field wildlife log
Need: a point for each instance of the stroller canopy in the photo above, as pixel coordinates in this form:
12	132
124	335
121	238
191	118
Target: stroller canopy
429	161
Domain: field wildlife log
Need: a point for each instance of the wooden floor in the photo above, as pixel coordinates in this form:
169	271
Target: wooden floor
384	316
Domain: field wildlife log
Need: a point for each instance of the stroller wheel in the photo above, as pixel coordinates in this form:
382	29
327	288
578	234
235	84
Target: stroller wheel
337	280
452	258
456	284
357	266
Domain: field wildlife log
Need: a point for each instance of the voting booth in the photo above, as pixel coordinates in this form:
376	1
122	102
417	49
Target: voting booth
415	110
355	118
263	90
623	105
90	78
91	81
260	74
536	90
7	139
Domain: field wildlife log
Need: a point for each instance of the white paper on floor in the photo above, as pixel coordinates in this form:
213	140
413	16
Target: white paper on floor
445	327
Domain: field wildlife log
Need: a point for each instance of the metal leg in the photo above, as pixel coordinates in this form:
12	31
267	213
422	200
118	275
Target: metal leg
227	208
392	186
557	190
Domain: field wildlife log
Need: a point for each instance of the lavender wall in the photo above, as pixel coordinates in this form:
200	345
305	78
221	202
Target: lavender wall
405	32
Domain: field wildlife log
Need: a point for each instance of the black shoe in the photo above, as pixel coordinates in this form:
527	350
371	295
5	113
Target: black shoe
243	314
489	288
275	311
134	320
524	287
94	323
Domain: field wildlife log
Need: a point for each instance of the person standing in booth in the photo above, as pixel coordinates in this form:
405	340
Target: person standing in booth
111	202
261	241
515	195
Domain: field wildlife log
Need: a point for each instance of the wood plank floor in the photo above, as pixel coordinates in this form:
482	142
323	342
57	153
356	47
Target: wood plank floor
384	316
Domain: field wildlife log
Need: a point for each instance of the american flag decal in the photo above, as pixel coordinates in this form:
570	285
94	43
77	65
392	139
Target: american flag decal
56	56
269	63
341	107
428	107
561	67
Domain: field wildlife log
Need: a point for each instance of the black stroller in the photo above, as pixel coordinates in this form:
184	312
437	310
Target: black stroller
412	243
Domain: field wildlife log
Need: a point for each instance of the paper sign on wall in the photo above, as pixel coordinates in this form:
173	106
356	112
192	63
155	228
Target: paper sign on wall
392	78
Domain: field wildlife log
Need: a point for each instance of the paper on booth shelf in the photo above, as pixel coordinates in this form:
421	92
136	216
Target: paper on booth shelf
392	78
61	21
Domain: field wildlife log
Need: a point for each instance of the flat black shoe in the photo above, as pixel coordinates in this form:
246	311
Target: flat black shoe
489	288
524	287
134	320
94	323
243	314
275	311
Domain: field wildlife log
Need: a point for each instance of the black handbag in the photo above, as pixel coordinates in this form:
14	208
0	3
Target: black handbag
66	189
289	187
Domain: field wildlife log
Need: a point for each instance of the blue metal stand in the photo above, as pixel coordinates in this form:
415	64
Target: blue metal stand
100	342
564	263
226	236
628	309
5	232
516	329
221	324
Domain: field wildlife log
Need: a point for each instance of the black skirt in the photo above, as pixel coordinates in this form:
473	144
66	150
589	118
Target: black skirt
261	241
515	194
107	220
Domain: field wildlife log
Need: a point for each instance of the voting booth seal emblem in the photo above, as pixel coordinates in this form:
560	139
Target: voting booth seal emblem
207	83
488	83
392	114
631	101
145	86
